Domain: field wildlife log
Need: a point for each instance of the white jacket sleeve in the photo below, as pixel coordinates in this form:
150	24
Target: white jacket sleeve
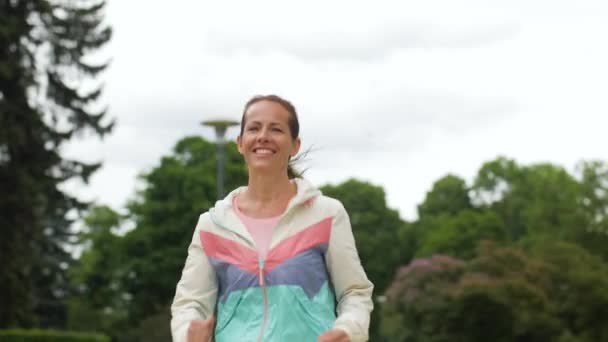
196	292
353	289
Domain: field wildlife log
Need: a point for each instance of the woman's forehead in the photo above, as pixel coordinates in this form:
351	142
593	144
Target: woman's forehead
266	111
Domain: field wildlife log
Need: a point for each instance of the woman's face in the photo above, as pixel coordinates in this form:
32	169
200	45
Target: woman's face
266	142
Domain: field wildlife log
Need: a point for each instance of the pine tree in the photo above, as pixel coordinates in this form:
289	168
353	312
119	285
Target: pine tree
48	94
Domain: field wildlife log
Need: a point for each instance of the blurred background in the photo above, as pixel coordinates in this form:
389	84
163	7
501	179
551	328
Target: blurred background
467	140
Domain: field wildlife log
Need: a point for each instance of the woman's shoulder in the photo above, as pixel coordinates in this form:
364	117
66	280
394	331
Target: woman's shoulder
203	219
329	203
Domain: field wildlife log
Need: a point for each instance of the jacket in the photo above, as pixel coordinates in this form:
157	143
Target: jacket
311	280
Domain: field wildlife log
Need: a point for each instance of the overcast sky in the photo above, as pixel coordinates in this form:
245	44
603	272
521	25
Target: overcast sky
395	93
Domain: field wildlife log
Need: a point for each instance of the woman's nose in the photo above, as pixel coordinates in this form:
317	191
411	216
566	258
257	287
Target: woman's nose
263	134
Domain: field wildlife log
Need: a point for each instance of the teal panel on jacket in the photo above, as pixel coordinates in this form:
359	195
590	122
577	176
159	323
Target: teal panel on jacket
240	317
292	316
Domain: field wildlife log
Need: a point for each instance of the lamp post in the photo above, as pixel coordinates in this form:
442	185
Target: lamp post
220	126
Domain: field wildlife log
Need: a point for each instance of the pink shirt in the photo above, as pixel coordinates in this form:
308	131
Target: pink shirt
260	229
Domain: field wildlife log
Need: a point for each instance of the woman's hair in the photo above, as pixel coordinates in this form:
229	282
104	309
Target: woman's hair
292	122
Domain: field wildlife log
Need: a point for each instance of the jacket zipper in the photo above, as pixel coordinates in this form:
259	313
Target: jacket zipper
262	283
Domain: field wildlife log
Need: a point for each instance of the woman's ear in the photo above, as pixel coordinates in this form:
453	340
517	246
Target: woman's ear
239	145
296	146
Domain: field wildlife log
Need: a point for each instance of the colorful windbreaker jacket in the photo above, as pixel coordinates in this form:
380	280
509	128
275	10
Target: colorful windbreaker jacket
310	281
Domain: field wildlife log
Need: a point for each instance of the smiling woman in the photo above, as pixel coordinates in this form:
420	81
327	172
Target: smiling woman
275	260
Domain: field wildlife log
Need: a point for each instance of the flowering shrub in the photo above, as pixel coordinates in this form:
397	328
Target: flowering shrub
503	294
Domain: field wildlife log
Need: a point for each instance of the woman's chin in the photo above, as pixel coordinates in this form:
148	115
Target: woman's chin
265	167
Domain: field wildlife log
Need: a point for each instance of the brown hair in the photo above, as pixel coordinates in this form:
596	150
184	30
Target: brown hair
292	122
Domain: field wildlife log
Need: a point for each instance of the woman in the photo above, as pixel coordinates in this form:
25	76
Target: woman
275	260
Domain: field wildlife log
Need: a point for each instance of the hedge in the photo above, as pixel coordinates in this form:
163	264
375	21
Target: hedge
21	335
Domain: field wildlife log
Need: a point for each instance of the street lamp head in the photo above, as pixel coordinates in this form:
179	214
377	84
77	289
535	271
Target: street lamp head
220	126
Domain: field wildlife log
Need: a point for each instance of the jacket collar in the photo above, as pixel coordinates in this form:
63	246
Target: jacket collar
223	215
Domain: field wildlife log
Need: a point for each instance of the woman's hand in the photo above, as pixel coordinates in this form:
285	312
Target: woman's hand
201	330
335	335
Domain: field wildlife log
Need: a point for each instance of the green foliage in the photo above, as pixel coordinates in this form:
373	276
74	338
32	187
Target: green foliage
449	224
593	235
19	335
536	199
448	196
511	203
99	302
43	50
459	235
594	181
544	201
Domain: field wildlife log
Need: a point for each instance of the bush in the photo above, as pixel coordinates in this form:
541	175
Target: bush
20	335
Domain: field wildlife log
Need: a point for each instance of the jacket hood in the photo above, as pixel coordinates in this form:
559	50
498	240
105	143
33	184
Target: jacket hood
305	193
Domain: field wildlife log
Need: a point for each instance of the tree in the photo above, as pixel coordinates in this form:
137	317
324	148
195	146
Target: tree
543	201
494	185
536	199
449	223
98	301
46	97
459	235
449	195
594	205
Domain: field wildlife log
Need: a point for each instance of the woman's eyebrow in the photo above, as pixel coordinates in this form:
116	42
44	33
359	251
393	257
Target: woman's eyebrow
274	123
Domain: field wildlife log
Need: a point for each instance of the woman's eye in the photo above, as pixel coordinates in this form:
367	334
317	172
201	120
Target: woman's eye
252	129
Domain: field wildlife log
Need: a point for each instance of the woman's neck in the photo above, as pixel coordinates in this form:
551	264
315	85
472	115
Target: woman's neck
266	196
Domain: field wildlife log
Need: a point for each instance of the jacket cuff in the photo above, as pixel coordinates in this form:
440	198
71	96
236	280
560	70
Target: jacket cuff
351	332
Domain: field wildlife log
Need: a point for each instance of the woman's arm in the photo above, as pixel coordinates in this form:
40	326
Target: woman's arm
196	292
353	289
